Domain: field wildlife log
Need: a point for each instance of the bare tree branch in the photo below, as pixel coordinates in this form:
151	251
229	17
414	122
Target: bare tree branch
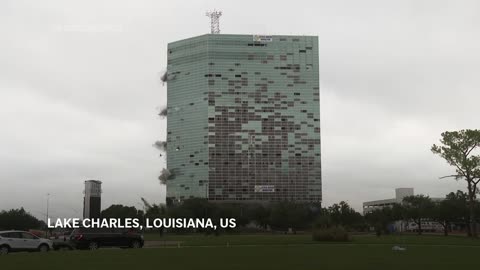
456	176
471	149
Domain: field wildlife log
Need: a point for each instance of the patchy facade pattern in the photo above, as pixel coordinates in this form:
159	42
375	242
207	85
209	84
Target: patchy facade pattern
244	118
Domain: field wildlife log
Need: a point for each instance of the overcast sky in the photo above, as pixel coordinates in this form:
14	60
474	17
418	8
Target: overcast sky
80	90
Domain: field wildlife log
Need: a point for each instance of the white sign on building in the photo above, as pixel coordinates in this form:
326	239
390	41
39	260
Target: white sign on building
265	188
262	38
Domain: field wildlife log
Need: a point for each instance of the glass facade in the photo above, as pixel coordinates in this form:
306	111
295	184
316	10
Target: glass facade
244	118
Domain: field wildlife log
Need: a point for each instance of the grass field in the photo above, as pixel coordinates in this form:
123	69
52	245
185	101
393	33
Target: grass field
282	239
268	252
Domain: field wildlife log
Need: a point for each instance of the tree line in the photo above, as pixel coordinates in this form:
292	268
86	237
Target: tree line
290	216
280	216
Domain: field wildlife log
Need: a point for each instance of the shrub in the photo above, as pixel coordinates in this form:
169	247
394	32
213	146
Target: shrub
334	234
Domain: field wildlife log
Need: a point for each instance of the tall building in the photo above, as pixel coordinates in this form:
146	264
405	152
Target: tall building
244	118
92	201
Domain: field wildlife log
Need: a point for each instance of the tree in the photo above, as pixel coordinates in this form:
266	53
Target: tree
285	215
121	211
398	212
323	221
418	208
153	211
459	149
260	215
380	219
342	214
452	209
239	211
18	219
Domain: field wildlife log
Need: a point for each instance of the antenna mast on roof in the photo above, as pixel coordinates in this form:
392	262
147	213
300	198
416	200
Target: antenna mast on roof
214	21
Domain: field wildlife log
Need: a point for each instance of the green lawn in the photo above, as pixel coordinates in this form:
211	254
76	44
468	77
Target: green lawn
357	256
266	252
281	239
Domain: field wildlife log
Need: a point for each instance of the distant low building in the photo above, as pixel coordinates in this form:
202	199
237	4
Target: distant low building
400	193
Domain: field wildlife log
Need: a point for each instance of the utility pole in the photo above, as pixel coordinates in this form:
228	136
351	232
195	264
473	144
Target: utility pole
48	202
